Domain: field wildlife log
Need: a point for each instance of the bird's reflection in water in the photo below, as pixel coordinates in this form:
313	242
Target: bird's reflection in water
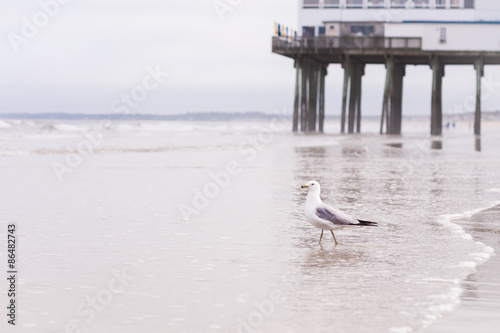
322	274
328	256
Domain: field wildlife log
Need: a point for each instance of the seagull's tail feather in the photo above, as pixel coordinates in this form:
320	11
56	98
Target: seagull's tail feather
368	223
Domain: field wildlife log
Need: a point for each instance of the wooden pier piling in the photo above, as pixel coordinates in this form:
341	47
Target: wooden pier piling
479	66
295	125
437	91
309	103
313	98
352	101
347	75
357	73
321	120
396	116
361	73
389	63
303	96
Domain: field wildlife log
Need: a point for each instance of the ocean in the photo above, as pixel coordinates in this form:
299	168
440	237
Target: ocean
130	226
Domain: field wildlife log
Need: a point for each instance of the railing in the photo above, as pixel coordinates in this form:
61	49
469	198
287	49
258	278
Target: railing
315	44
402	4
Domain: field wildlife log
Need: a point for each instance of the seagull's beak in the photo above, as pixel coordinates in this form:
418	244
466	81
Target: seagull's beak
304	186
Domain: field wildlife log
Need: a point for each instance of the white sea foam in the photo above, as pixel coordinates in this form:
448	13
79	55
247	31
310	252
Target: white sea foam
69	127
451	300
4	124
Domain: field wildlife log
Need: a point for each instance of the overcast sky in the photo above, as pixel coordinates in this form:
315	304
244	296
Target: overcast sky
91	52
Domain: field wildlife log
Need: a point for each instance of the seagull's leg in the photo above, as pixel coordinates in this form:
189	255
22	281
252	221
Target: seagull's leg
336	243
321	237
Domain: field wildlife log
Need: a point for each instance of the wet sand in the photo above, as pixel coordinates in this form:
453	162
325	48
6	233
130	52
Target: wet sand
480	303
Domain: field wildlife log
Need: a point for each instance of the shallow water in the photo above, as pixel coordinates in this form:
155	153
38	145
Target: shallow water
248	261
480	301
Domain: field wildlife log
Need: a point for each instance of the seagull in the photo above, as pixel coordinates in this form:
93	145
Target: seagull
326	217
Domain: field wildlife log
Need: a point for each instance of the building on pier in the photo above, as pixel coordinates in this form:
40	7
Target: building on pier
396	33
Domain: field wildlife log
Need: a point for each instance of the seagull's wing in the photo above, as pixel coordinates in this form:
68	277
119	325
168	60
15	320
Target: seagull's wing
334	216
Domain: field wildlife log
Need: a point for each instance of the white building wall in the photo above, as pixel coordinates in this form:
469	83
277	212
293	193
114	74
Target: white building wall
463	37
316	17
485	10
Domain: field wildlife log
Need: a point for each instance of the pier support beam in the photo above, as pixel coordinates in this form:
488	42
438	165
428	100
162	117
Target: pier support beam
323	73
479	66
357	72
303	96
389	65
352	101
309	93
437	91
358	97
396	109
313	97
295	125
347	75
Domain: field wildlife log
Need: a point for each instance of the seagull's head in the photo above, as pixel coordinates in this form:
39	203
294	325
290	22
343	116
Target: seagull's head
312	185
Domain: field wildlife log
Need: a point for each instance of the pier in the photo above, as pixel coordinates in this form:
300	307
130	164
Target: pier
332	35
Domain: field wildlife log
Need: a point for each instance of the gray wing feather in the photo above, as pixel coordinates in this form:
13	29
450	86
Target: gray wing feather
326	214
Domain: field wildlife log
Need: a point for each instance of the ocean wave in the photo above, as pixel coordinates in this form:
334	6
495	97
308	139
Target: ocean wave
4	124
69	127
451	300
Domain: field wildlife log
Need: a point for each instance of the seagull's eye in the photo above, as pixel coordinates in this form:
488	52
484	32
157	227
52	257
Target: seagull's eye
312	184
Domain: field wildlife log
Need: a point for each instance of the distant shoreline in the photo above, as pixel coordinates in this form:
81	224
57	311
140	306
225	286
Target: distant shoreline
210	116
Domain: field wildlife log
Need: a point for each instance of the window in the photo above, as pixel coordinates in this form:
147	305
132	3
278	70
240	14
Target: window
332	3
398	3
407	4
469	4
440	3
354	3
442	35
421	3
362	30
321	31
311	3
308	31
376	3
